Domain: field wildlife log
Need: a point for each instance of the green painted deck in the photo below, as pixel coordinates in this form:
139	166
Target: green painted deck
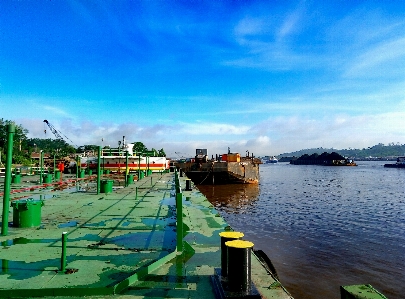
120	245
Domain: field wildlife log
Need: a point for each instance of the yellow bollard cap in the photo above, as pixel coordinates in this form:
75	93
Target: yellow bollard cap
231	235
239	244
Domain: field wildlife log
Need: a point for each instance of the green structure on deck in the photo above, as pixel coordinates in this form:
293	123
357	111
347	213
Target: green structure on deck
150	239
131	241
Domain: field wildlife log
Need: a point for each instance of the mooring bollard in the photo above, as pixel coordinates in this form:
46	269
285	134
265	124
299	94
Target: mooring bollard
188	185
225	237
63	256
239	265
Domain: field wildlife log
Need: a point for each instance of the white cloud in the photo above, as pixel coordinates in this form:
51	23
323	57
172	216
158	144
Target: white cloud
273	136
207	128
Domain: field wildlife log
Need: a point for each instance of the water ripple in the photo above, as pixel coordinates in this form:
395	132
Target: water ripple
324	227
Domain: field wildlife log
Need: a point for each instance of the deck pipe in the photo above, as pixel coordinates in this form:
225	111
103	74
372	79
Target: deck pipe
177	182
54	167
179	213
98	169
4	262
126	169
77	167
147	172
239	265
41	165
7	179
139	166
179	228
225	237
63	255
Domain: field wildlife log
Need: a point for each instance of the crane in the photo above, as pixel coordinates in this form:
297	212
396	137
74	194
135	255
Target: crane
181	155
57	133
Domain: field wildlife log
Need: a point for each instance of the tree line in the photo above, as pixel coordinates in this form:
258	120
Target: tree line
23	147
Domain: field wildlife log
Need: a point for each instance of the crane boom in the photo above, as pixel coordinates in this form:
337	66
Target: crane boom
57	133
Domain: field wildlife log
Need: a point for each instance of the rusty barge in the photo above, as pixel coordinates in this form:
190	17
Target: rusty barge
228	168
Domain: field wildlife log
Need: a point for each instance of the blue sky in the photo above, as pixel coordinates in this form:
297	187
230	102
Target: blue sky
265	76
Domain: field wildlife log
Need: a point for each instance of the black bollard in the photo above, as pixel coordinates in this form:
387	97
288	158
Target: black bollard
188	185
239	265
225	237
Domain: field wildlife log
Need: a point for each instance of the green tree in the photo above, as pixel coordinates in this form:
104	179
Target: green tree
20	155
87	148
161	153
139	147
57	147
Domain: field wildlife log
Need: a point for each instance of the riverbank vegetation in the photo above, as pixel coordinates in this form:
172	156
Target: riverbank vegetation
24	147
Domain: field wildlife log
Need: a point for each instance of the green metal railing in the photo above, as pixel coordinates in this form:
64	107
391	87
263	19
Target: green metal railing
7	179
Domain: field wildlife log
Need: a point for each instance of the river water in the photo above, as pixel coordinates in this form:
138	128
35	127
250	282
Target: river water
323	227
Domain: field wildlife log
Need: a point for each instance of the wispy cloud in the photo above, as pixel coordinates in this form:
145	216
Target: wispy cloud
55	110
385	59
291	22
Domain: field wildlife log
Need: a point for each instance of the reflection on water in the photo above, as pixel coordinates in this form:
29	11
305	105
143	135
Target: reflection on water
231	198
323	227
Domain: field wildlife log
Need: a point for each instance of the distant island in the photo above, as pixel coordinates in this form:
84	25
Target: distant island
326	159
380	151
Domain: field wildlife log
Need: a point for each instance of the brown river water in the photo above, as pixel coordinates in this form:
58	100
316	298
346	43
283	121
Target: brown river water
323	227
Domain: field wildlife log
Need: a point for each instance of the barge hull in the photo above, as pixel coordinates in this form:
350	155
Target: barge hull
394	165
218	173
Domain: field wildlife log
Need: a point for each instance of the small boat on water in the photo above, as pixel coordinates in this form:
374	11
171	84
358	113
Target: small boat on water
399	164
272	160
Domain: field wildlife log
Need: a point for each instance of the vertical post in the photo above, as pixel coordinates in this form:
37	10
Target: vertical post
7	179
77	172
136	193
98	169
77	167
4	263
179	228
147	167
63	256
54	167
41	165
139	166
126	169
